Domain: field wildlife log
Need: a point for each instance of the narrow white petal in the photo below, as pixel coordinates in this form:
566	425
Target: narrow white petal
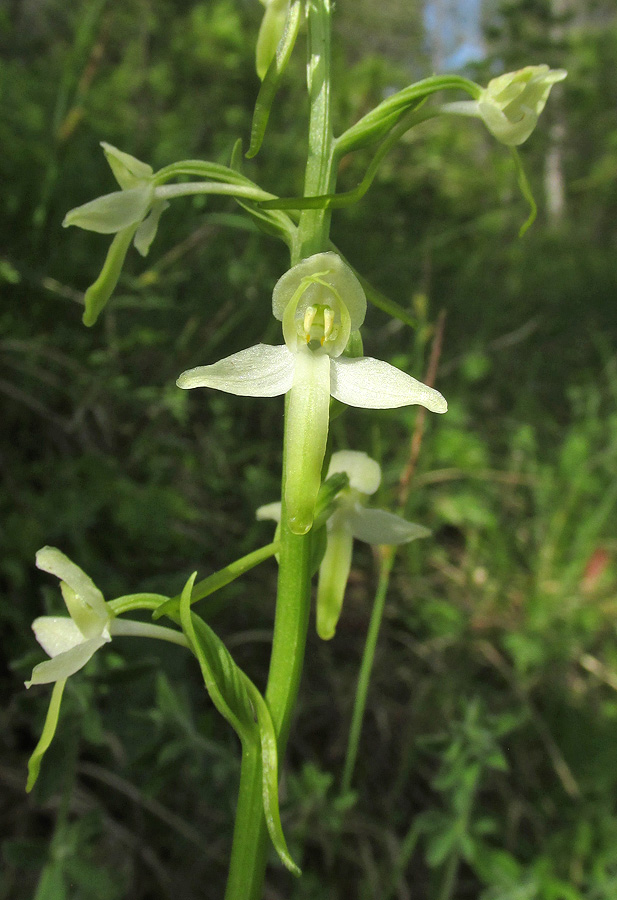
376	526
269	511
375	384
259	371
52	560
65	664
56	634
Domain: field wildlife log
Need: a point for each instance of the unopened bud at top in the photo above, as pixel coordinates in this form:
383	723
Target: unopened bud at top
511	104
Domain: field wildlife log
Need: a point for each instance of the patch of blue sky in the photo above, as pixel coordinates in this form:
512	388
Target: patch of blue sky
454	33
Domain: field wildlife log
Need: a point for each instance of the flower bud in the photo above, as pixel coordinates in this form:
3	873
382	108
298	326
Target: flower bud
511	104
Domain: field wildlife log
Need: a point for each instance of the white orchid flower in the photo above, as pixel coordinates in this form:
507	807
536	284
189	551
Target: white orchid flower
350	520
71	641
511	104
132	214
320	302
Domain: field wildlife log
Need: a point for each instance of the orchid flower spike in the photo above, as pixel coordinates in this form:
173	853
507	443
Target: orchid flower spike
511	104
350	519
132	214
320	303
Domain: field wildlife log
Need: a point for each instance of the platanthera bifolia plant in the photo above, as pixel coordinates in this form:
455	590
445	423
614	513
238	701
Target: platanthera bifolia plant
321	302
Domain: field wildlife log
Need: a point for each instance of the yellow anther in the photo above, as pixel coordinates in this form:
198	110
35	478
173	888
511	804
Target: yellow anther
309	317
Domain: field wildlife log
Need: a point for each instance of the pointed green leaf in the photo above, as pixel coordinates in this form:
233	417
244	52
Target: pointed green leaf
241	704
272	58
49	729
236	161
270	787
223	679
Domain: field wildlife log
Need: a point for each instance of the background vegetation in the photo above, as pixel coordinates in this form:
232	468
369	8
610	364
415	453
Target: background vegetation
488	760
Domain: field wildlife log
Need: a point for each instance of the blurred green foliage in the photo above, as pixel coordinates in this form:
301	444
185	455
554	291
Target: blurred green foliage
487	766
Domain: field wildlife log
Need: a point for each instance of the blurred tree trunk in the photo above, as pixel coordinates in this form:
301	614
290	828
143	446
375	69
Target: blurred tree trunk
554	181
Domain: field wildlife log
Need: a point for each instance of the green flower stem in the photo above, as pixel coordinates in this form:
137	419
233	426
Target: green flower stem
250	843
368	657
375	124
244	191
129	628
219	579
348	198
247	865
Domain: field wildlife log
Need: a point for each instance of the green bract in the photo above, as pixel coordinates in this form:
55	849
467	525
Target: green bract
320	301
511	104
132	214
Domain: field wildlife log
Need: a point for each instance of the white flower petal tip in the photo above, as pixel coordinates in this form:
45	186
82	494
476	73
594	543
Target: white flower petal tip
511	104
259	371
375	384
65	664
53	561
270	511
364	473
